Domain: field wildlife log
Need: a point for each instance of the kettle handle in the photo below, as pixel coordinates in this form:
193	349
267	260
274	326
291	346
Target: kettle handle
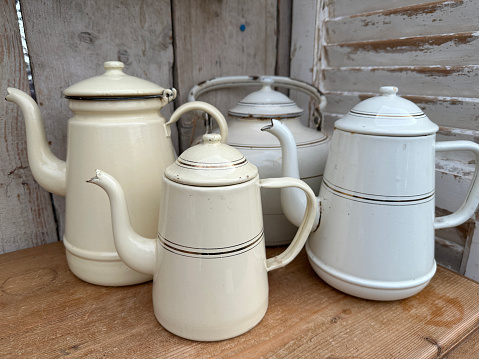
306	225
202	106
278	81
472	198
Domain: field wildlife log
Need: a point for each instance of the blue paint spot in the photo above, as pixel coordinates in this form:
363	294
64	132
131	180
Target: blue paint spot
242	27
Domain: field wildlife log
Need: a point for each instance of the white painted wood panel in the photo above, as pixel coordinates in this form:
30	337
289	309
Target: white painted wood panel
438	17
26	212
454	81
409	51
339	8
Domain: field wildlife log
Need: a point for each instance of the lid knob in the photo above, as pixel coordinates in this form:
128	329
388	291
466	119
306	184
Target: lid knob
266	82
388	90
212	138
113	67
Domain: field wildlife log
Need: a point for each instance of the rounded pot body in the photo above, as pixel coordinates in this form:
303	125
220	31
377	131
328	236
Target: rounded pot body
127	139
264	151
210	280
376	235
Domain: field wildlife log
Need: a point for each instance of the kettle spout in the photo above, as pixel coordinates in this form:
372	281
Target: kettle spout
137	252
293	200
48	170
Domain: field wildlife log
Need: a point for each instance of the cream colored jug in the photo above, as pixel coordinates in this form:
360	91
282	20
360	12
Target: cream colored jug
376	232
208	261
116	125
245	121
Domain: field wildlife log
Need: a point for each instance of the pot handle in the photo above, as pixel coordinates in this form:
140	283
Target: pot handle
306	225
202	106
278	81
472	198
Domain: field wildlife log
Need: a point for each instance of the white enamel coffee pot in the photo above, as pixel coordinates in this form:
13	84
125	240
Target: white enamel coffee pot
117	126
245	121
208	262
376	234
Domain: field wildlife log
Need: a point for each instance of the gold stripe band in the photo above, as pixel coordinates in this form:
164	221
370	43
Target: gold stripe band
173	247
219	166
328	186
384	115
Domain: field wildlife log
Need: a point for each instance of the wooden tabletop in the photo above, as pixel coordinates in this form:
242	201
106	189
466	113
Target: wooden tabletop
46	312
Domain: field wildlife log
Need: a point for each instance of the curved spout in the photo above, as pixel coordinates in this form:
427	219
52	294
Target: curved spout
48	170
137	252
293	200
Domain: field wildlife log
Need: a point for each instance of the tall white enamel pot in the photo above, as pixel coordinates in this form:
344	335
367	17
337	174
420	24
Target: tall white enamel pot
375	238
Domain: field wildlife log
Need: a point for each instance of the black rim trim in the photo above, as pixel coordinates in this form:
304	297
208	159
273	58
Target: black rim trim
89	98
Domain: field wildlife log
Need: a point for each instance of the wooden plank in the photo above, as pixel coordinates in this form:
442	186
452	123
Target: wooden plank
303	39
455	81
339	8
453	112
26	214
439	17
284	16
47	312
215	39
69	41
467	349
410	51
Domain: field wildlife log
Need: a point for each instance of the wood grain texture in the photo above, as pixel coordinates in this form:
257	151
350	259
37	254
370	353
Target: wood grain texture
303	42
467	349
47	312
70	40
283	30
407	51
26	213
209	43
338	8
436	17
455	81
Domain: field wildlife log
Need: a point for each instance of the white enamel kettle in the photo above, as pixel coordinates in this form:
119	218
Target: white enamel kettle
245	121
116	125
208	261
376	232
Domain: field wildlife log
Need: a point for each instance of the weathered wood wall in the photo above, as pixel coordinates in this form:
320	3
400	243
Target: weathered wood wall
26	212
221	38
173	43
426	48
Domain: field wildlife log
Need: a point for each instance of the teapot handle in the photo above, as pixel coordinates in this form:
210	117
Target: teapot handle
306	225
202	106
278	81
472	198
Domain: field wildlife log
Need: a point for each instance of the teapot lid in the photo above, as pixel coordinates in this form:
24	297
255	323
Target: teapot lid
114	84
387	115
211	164
266	103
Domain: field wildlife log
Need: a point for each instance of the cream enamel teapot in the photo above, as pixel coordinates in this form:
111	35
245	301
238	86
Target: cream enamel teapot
375	238
245	121
208	261
117	126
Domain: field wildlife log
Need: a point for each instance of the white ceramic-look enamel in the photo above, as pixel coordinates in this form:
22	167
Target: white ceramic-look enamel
376	232
208	261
